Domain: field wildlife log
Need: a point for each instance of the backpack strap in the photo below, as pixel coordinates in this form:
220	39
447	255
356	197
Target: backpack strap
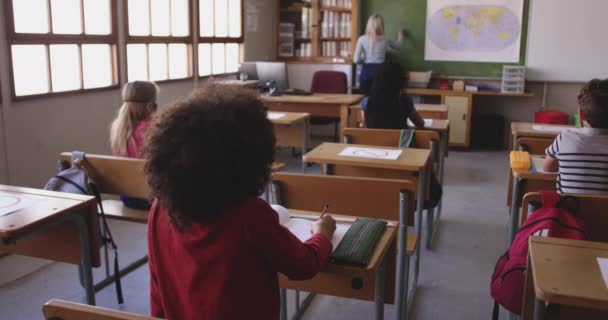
77	155
406	137
549	199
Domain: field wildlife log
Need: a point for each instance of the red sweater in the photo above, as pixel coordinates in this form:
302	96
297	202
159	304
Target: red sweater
227	270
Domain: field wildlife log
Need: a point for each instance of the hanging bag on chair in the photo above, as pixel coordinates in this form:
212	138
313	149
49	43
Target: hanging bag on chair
557	218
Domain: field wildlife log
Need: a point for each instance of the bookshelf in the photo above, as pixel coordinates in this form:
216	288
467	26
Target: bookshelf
317	31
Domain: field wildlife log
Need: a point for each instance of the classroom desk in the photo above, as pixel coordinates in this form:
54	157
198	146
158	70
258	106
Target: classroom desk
317	105
374	282
564	272
526	129
460	109
412	161
432	111
292	129
58	226
525	181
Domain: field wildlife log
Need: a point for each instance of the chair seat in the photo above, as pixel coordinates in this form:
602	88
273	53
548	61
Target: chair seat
115	209
277	166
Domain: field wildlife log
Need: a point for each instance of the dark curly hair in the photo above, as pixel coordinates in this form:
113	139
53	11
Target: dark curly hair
593	101
209	152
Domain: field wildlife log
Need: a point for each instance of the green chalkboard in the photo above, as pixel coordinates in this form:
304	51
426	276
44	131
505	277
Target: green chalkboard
411	15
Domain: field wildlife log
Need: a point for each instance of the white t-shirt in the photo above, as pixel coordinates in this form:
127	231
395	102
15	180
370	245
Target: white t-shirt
583	160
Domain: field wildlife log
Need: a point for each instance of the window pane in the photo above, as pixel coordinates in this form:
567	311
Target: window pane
221	18
137	62
158	61
232	57
65	15
178	61
160	17
65	67
31	16
204	59
97	17
234	14
206	18
30	69
180	18
97	65
139	17
218	58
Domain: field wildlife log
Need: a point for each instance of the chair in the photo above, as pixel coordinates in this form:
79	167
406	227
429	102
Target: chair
327	81
65	310
350	196
592	210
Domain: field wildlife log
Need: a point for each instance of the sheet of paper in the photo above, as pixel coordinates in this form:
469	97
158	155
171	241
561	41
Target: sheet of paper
537	164
427	123
373	153
283	213
275	115
538	127
603	262
11	202
301	228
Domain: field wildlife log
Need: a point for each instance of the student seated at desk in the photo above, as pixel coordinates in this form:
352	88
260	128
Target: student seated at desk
215	247
388	107
128	129
581	155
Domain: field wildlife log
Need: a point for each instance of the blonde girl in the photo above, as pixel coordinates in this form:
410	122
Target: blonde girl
133	118
371	50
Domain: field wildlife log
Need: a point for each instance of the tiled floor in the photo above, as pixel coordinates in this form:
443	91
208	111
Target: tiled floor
454	279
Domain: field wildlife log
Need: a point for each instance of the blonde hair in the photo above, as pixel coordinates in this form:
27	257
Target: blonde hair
375	27
139	103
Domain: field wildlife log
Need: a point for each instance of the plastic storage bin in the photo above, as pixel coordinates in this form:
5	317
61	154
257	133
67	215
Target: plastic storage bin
520	160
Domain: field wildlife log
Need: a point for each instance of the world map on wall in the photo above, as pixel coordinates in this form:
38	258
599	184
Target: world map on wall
473	28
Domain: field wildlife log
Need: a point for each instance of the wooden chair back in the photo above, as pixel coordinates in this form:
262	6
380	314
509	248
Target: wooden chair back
592	208
354	196
117	175
65	310
534	146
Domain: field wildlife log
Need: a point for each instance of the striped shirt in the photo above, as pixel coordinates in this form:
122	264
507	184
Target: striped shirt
582	155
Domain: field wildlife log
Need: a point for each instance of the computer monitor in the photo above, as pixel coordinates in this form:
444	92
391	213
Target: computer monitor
276	71
250	69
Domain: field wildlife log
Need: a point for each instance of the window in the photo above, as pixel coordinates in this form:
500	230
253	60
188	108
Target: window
221	32
158	40
61	45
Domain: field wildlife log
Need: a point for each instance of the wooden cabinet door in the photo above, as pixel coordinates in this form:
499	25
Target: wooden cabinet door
458	114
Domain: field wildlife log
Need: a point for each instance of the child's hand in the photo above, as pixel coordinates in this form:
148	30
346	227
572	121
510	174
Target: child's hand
325	226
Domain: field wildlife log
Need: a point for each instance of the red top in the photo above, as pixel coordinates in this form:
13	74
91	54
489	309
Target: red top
137	139
227	270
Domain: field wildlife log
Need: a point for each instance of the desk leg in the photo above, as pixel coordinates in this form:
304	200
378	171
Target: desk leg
539	309
305	130
418	222
380	283
402	259
442	153
514	209
344	115
283	314
514	143
85	253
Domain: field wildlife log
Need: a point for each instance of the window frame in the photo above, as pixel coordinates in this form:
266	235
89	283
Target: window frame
48	39
224	40
167	40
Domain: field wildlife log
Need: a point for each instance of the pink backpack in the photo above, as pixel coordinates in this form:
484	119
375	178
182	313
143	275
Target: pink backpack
555	219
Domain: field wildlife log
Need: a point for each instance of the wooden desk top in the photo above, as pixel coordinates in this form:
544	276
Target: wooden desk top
317	98
431	107
51	206
410	159
289	118
385	241
438	125
526	129
566	272
438	92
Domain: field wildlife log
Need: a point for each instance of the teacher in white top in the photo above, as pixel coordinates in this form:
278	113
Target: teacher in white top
371	50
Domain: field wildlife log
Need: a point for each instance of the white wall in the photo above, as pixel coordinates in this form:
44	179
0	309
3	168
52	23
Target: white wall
37	130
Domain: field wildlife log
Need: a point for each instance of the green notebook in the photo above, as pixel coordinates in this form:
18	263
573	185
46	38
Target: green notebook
359	242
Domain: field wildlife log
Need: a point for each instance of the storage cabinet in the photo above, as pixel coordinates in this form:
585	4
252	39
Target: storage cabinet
317	31
458	114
